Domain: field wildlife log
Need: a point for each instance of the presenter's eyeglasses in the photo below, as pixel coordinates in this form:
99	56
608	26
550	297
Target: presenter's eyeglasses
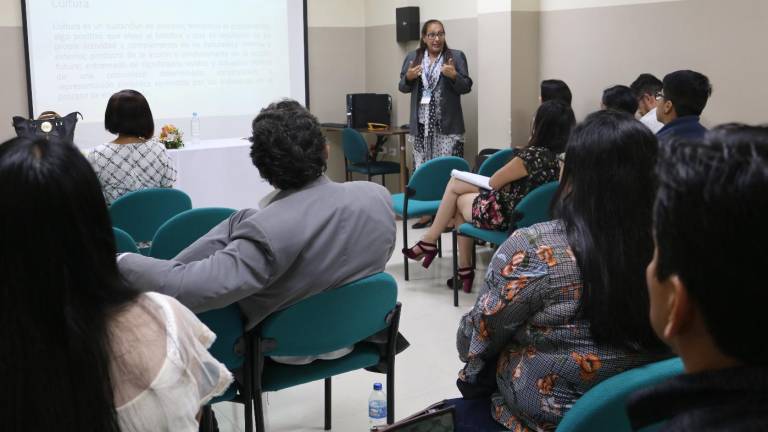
433	36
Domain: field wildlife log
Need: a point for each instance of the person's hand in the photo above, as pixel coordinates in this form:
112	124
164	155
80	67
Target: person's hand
413	72
449	70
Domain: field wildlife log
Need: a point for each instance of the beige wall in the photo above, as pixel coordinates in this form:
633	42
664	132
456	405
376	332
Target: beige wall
593	48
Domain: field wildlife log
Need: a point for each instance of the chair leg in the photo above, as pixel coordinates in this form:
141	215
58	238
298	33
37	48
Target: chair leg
439	245
474	255
254	359
383	180
455	241
405	244
248	387
328	403
206	419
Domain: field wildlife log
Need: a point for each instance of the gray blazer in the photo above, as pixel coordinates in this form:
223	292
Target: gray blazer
451	115
303	242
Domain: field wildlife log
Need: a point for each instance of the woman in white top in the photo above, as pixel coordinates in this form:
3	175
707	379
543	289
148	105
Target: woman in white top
134	160
82	351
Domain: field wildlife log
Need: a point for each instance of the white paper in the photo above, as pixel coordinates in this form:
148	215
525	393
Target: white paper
472	178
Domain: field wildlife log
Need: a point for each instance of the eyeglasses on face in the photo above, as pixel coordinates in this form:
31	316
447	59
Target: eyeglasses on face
659	96
433	35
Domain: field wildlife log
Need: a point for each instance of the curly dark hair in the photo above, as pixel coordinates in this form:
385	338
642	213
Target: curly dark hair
288	146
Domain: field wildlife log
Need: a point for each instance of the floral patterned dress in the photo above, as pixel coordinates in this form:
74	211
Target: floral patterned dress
524	324
493	209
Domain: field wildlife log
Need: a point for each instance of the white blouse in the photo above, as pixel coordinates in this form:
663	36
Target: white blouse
161	370
124	168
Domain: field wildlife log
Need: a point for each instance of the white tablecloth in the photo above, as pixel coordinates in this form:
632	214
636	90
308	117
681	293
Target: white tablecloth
219	173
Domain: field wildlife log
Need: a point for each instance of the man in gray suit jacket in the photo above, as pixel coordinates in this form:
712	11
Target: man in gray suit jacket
312	235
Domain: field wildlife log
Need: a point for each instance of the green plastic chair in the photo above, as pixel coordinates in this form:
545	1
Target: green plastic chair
532	209
326	322
140	213
227	323
495	162
603	408
357	158
182	230
424	192
124	242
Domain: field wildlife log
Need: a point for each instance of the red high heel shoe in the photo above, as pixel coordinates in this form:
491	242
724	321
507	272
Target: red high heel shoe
428	252
466	278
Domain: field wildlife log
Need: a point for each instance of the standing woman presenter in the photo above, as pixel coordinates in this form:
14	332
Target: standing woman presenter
436	77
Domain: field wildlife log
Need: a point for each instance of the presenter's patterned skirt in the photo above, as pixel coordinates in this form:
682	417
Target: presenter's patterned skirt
430	147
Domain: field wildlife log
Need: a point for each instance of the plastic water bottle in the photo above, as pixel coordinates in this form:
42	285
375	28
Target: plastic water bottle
377	407
195	129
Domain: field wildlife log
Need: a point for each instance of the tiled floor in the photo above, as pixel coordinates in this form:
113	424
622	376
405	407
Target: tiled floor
426	372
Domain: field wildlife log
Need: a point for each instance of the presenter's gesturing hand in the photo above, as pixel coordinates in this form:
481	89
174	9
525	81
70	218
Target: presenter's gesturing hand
413	72
449	70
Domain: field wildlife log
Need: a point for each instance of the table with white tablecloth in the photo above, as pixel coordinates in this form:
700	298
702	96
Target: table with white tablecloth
219	173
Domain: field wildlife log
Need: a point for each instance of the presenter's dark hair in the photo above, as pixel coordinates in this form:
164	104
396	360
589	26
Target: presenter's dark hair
620	98
710	214
59	286
552	126
555	89
646	84
288	146
128	113
423	46
605	199
688	90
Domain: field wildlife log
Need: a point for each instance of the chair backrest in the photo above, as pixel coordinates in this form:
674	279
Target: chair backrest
140	213
124	242
430	179
227	323
495	161
534	207
354	145
331	320
183	229
602	409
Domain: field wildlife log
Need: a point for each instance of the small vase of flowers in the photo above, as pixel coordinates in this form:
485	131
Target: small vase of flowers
171	137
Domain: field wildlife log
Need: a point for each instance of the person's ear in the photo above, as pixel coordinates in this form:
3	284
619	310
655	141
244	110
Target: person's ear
327	151
680	308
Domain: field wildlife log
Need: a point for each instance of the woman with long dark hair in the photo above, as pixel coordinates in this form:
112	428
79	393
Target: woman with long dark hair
564	304
436	77
81	350
530	167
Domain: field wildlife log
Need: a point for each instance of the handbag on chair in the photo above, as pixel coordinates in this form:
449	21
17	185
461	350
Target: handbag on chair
48	125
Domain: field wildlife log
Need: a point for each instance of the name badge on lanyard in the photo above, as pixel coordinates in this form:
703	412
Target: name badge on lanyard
429	79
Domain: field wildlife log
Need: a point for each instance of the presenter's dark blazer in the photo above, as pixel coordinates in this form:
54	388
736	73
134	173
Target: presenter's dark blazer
452	117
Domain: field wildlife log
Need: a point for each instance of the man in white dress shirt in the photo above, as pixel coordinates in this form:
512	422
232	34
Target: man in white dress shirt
645	87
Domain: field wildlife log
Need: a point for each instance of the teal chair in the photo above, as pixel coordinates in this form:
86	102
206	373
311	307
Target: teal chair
124	242
227	323
183	229
603	408
532	209
140	213
495	162
326	322
357	158
424	191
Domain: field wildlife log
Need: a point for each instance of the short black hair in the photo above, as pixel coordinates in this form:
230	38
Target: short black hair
555	89
552	126
128	113
288	146
620	98
688	90
710	229
646	84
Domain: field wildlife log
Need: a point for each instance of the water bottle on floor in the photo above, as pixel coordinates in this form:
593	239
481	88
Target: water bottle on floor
377	407
195	129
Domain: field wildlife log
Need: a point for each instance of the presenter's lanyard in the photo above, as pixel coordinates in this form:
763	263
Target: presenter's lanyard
430	79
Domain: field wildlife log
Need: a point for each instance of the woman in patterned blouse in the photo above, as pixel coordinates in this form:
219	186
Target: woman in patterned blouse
564	304
133	160
529	168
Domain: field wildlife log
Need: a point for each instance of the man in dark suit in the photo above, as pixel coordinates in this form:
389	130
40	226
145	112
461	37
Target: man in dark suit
680	103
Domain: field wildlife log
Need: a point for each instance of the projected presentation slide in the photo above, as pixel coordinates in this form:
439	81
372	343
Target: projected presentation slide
224	60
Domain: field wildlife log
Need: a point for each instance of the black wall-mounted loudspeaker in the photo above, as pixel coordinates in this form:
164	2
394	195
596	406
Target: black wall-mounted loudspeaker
407	23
